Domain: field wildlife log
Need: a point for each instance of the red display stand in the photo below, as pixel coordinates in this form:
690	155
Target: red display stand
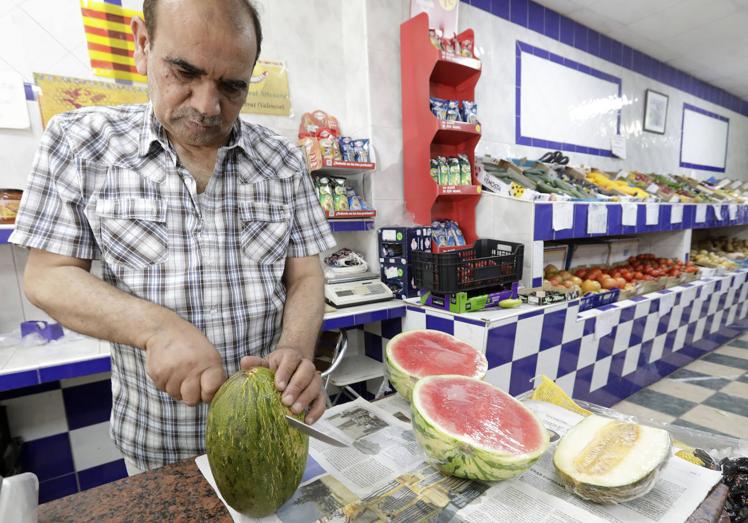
426	72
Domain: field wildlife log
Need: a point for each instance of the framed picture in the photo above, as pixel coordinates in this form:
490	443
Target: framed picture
655	111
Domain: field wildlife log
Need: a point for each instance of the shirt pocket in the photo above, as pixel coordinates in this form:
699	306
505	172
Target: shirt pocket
133	231
265	231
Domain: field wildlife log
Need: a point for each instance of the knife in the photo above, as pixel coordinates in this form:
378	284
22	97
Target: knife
310	431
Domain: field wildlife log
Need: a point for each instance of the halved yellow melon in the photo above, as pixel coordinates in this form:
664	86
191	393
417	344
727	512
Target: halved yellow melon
611	461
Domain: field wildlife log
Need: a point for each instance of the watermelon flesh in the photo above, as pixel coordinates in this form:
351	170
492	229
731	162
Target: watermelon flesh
471	429
419	353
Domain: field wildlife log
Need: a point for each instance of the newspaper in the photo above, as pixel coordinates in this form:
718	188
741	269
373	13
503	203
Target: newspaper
384	476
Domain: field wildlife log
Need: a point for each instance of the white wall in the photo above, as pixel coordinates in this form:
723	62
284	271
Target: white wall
343	56
323	43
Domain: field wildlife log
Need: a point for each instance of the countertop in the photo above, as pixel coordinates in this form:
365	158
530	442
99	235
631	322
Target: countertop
176	492
179	493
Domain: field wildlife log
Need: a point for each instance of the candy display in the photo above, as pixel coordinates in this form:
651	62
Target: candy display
451	45
447	234
320	139
335	195
455	111
453	170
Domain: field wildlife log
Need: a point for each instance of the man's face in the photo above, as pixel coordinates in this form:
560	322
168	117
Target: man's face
198	68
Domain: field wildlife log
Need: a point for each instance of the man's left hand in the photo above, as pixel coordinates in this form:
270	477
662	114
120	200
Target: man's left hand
296	378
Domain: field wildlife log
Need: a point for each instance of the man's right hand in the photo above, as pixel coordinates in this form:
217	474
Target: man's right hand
181	361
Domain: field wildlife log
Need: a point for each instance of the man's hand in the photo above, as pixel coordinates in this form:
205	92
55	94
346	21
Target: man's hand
181	361
296	378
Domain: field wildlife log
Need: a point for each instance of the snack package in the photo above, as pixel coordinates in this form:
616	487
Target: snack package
466	175
333	125
435	35
312	152
453	111
361	150
354	202
439	108
469	112
466	48
443	170
326	199
346	148
340	194
435	170
455	177
329	148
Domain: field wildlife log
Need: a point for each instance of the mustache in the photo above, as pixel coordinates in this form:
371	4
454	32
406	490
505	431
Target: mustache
198	117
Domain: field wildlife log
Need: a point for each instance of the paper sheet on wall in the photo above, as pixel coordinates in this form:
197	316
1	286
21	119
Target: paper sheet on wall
733	210
628	215
717	211
597	218
563	216
605	321
676	214
618	146
666	303
653	213
13	111
701	213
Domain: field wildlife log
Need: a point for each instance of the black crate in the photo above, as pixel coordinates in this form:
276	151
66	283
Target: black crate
488	263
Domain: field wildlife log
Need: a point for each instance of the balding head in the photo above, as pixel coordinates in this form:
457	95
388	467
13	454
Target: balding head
235	7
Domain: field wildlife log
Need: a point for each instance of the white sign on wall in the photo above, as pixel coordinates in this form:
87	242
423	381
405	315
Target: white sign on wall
564	104
703	139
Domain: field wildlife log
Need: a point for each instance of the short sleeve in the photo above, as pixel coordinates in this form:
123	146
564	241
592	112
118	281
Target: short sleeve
310	232
51	215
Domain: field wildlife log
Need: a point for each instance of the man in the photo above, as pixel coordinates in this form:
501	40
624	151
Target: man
208	229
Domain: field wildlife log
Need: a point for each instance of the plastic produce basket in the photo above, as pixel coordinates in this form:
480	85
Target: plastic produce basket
488	263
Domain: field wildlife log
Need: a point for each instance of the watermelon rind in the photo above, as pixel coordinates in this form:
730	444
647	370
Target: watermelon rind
401	379
634	474
456	455
256	457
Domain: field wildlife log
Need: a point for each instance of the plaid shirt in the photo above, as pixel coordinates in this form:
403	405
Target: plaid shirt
107	184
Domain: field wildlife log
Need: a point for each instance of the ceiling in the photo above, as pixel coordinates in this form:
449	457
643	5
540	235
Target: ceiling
706	38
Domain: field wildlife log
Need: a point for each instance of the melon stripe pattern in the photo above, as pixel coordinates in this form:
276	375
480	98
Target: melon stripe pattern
416	354
257	459
460	455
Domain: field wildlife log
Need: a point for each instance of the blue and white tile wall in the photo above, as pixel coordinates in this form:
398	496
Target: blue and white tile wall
651	337
64	426
527	21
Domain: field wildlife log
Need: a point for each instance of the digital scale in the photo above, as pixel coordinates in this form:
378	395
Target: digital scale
356	289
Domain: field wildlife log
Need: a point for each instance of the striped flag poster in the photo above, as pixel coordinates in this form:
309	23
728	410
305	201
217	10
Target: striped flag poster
110	42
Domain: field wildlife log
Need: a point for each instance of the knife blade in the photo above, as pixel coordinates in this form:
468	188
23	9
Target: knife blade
311	431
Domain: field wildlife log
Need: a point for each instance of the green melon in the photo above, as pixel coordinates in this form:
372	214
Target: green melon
470	429
256	458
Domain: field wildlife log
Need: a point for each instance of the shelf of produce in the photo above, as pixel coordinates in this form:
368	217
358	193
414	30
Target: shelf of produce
351	225
337	168
5	232
649	217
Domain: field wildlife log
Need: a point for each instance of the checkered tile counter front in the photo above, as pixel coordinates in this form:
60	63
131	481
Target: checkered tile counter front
603	355
58	400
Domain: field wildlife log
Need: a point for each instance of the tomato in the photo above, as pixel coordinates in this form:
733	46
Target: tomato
621	282
638	276
593	275
609	283
615	274
581	273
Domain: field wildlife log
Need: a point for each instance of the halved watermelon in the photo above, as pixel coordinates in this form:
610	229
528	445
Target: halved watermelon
419	353
471	429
